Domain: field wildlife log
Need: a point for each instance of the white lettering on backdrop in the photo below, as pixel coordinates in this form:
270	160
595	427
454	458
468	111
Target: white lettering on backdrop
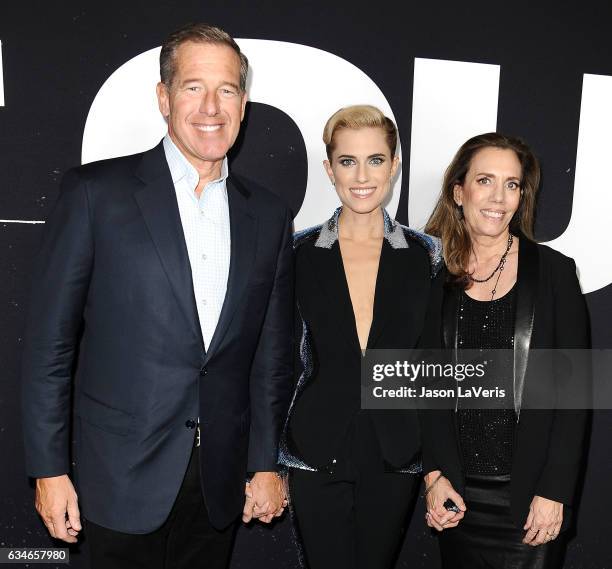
587	236
443	118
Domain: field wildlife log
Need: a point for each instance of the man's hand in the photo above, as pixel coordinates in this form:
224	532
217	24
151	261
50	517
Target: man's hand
437	515
265	497
57	504
543	522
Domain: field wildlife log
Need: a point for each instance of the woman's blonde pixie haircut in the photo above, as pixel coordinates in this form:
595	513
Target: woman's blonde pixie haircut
356	117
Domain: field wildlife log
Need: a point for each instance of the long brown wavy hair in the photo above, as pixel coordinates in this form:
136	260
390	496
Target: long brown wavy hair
446	221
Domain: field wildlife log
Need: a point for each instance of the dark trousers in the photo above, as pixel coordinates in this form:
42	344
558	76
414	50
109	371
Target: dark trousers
354	517
487	537
186	540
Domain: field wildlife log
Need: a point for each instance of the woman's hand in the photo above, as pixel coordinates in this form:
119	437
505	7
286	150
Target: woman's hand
543	522
265	497
438	489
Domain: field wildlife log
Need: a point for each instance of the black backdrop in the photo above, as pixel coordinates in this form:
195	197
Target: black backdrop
56	55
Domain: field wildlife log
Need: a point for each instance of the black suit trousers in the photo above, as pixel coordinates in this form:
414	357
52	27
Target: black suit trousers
354	516
186	539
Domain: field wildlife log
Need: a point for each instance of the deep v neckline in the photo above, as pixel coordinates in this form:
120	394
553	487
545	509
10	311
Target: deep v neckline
347	291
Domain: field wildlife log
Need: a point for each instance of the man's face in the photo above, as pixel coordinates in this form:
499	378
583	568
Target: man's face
204	105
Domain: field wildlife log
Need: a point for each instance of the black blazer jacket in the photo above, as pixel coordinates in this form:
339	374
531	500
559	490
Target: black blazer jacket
407	308
113	307
549	444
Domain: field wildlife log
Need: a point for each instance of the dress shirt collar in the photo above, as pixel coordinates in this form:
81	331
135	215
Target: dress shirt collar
181	168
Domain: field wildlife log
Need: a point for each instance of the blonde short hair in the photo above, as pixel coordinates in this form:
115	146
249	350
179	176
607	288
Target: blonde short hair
356	117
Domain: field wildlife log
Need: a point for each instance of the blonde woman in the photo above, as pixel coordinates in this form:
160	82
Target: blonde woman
362	281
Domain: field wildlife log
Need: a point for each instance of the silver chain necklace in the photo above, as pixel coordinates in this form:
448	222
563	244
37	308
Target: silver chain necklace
498	269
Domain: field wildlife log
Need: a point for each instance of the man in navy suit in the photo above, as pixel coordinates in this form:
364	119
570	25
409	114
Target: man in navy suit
162	306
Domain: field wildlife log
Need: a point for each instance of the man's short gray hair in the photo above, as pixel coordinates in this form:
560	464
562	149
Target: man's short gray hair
198	33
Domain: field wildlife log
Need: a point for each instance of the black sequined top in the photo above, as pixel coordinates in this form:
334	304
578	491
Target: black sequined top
486	436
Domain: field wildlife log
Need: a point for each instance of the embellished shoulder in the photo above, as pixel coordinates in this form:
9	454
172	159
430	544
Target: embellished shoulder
397	235
304	235
431	244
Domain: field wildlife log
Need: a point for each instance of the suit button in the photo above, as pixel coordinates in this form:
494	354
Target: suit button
203	372
331	467
190	424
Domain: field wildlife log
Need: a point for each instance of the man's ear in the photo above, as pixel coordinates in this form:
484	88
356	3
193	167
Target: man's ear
163	99
245	99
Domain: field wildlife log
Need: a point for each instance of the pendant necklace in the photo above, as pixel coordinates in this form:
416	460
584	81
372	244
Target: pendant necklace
498	269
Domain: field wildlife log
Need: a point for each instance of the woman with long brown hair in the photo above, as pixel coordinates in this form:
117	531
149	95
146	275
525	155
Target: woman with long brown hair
513	472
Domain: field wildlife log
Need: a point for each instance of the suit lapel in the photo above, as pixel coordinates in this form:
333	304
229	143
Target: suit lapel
243	230
527	281
159	208
328	270
386	280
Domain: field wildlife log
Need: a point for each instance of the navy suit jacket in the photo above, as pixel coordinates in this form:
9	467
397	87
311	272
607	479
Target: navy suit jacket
113	325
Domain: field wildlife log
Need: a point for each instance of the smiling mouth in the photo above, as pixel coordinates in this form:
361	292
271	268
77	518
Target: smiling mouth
492	214
208	127
362	192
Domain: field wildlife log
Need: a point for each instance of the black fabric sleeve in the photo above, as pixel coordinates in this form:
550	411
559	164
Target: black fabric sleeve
272	369
559	478
59	290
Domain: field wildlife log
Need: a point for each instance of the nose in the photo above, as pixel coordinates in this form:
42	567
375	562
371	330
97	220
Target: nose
497	193
362	173
209	105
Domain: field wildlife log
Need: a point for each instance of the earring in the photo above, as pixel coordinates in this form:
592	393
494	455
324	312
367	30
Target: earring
333	183
460	208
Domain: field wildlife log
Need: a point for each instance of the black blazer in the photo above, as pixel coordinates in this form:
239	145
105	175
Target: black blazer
113	307
407	307
549	444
